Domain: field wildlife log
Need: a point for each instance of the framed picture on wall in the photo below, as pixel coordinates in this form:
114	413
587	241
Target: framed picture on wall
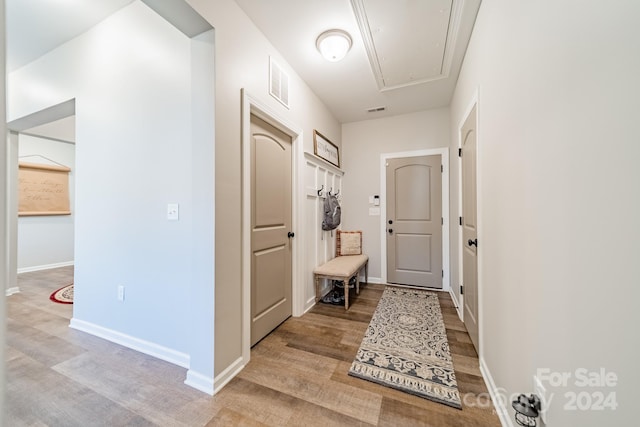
325	149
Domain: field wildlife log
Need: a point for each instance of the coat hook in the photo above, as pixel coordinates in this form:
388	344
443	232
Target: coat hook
320	190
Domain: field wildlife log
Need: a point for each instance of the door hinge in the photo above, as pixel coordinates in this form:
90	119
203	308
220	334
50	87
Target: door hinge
459	152
461	290
441	168
441	221
442	273
460	220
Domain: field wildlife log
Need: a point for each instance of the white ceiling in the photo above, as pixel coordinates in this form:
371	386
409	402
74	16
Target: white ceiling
61	130
406	54
34	27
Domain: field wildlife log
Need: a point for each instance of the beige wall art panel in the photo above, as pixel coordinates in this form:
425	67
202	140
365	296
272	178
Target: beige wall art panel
43	189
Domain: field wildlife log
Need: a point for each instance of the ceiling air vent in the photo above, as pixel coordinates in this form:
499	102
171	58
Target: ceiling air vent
278	83
376	109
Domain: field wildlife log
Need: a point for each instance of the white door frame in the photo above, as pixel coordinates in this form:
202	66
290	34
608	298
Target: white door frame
460	303
252	105
444	152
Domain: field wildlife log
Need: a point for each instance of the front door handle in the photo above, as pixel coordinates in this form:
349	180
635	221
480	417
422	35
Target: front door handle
290	234
391	231
473	242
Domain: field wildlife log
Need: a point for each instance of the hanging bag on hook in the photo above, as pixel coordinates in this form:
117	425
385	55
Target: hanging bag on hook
331	212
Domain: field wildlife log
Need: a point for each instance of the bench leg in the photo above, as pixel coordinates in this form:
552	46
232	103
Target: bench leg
366	272
346	293
317	283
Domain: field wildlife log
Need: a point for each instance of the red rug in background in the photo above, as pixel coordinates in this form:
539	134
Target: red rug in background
63	295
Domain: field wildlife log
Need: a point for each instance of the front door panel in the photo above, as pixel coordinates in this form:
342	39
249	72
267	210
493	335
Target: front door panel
414	221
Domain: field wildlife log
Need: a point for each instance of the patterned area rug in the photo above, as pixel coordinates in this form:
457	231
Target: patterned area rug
406	348
63	295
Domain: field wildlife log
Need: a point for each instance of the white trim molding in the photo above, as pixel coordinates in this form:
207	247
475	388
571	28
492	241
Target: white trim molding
137	344
444	153
227	375
456	303
320	162
200	382
319	177
453	42
44	267
12	291
498	396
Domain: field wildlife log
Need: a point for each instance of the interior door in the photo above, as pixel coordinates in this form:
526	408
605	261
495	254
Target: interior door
270	227
414	221
469	227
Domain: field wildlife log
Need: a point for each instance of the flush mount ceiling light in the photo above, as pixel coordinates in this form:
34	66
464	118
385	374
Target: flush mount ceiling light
333	44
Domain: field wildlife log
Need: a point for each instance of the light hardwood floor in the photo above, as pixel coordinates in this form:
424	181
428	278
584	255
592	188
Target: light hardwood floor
57	376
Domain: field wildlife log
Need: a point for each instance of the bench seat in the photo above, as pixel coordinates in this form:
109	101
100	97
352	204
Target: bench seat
342	268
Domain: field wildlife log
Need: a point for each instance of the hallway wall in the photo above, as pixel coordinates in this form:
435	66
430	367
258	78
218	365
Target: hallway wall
558	156
242	61
362	144
131	79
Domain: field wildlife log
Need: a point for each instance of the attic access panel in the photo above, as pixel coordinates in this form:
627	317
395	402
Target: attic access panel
407	41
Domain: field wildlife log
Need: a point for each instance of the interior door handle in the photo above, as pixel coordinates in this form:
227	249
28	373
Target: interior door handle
391	231
473	242
290	234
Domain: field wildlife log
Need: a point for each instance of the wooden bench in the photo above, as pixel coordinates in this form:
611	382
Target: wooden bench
342	268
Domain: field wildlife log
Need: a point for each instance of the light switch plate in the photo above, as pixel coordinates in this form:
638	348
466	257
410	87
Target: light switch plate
173	211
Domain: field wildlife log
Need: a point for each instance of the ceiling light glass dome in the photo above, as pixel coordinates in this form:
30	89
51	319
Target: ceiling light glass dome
334	44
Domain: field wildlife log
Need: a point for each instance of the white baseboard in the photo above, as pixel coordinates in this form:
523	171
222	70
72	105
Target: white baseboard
12	290
200	382
146	347
497	396
228	374
454	298
311	302
377	280
44	267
